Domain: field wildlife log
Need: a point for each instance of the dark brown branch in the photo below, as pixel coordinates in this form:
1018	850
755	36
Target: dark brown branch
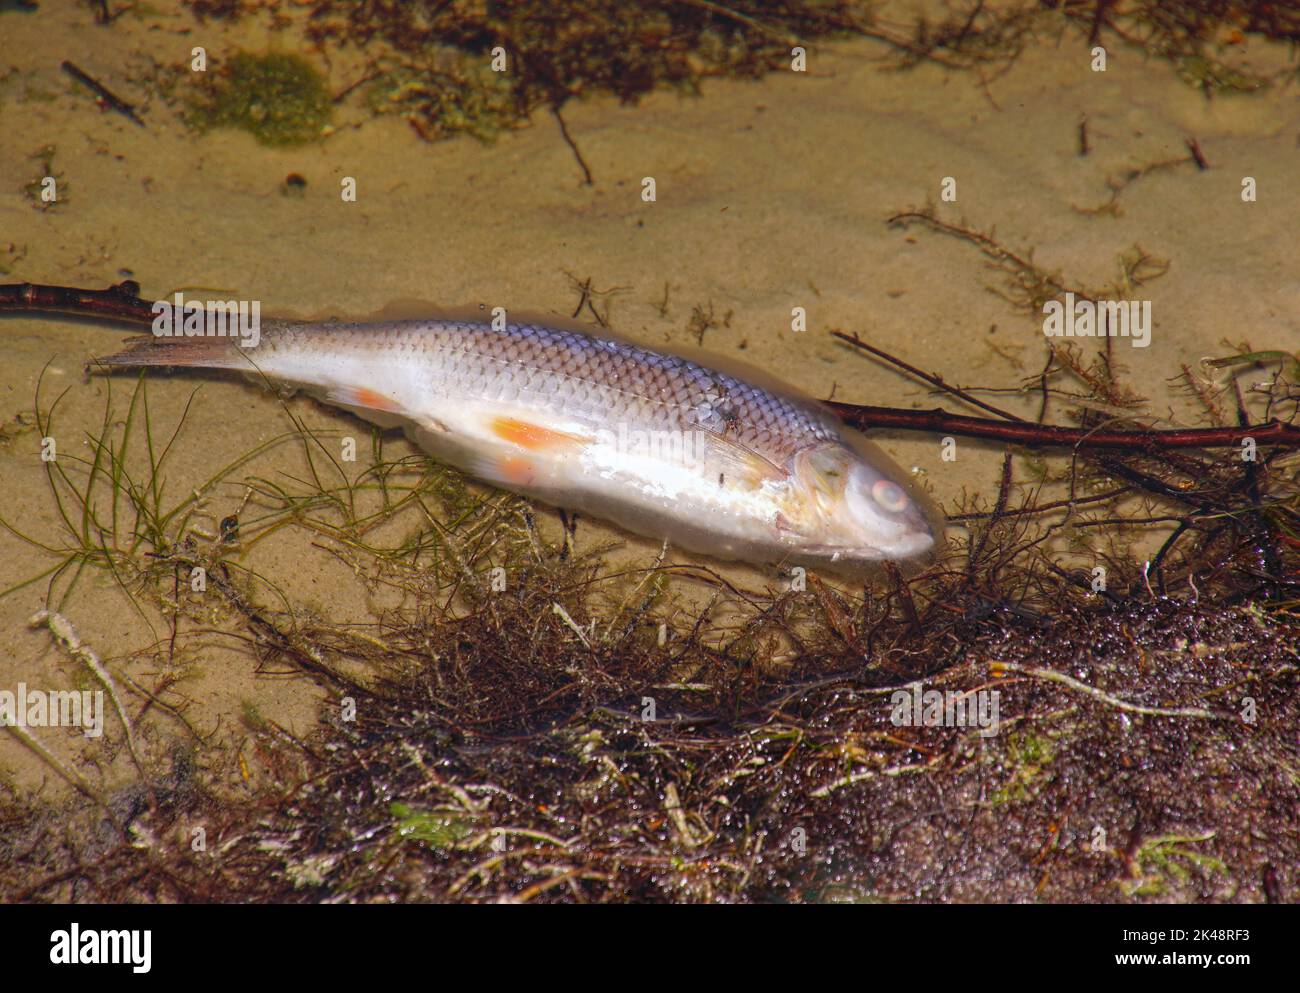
122	302
573	145
939	421
102	93
1038	435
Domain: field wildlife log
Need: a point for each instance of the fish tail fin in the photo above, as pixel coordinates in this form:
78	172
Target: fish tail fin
198	352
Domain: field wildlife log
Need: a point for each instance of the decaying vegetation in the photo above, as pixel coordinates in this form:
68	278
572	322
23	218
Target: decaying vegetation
431	62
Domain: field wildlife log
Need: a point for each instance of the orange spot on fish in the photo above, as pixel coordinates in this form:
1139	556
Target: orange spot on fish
534	437
361	396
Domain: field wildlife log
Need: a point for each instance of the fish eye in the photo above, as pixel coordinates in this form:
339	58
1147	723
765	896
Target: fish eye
890	496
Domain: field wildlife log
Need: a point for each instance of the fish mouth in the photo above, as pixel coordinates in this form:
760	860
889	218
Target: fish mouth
914	545
854	547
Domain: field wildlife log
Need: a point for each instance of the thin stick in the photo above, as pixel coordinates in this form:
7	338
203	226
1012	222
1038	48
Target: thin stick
119	302
122	302
573	146
939	421
64	634
67	772
933	380
1052	676
102	92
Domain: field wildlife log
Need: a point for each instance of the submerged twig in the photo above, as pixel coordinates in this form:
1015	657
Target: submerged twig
940	421
122	302
63	632
1052	676
573	146
102	93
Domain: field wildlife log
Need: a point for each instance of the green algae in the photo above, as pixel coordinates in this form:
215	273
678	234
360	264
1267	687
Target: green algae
279	98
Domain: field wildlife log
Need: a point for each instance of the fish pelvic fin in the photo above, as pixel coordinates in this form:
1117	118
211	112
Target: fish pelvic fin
362	397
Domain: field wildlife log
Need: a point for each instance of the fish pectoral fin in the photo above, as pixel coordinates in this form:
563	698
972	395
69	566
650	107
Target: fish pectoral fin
363	397
740	466
534	437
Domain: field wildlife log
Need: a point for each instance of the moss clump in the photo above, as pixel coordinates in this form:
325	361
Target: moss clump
1212	75
278	98
468	98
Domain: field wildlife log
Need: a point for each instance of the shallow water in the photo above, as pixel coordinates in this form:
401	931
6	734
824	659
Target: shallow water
770	195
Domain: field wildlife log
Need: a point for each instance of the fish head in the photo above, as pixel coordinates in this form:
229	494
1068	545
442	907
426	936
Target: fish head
853	505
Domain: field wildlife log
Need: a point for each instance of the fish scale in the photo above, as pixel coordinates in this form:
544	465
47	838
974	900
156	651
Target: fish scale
565	371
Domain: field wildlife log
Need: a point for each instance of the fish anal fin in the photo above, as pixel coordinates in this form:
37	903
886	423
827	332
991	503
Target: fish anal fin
364	398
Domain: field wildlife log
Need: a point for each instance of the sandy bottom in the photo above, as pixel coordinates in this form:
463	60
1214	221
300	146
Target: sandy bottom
770	195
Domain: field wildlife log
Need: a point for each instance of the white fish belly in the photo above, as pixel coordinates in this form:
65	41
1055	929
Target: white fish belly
654	483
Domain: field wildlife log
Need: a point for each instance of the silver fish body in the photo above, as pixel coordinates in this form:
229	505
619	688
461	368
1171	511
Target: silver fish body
664	446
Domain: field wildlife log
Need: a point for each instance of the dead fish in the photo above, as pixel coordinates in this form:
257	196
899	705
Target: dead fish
659	444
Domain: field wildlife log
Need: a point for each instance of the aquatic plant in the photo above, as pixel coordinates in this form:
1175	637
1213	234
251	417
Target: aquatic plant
987	38
279	98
